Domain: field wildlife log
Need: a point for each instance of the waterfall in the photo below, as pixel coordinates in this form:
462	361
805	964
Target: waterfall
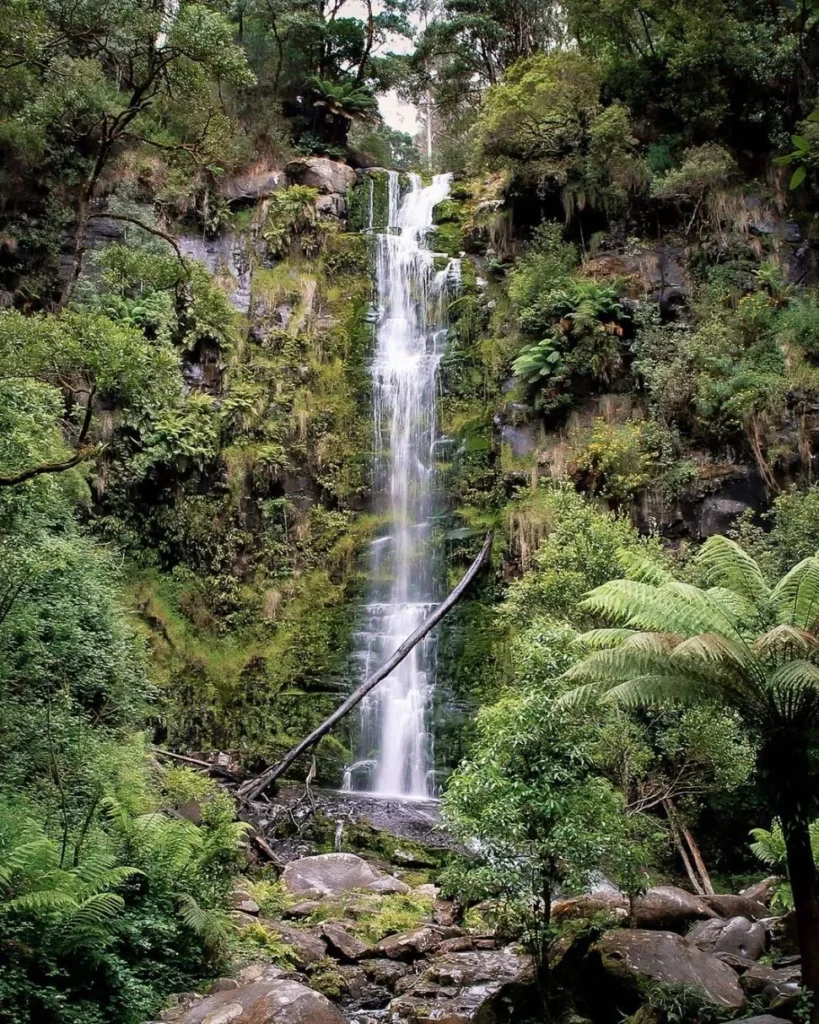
396	743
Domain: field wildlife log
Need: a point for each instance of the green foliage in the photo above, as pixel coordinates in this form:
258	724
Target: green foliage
291	216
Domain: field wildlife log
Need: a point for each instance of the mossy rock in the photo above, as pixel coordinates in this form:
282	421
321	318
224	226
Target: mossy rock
446	238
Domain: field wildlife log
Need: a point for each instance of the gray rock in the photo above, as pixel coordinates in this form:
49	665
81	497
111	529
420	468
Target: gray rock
306	943
761	892
737	906
328	873
252	185
327	176
590	904
224	985
443	912
331	206
410	945
704	934
764	1018
719	514
266	1002
631	957
344	942
245	904
464	987
742	937
740	964
386	973
759	978
667	906
389	885
300	910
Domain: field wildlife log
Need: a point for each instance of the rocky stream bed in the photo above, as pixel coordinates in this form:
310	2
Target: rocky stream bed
349	959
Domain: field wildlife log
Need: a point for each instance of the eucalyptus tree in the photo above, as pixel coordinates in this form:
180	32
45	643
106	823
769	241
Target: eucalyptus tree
738	643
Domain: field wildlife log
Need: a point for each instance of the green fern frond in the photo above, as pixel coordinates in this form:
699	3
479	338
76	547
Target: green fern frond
729	566
641	569
600	639
796	596
788	642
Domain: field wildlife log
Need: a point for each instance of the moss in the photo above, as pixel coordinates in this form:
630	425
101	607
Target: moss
369	197
446	238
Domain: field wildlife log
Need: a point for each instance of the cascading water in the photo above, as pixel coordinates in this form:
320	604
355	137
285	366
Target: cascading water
396	743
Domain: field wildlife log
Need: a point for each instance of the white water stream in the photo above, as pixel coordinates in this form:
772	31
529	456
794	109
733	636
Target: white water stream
396	743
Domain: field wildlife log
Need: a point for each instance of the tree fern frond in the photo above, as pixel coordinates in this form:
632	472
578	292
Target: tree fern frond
731	567
42	901
600	639
657	643
786	641
650	690
641	569
794	688
717	650
796	596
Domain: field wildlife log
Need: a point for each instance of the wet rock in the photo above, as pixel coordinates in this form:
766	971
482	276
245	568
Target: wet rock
737	906
344	942
307	945
328	873
263	970
443	912
762	892
327	176
300	910
410	945
331	206
386	973
668	907
718	515
389	885
590	904
266	1002
740	964
463	943
760	978
629	958
463	987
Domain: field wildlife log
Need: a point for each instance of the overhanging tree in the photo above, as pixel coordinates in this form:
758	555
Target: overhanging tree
740	644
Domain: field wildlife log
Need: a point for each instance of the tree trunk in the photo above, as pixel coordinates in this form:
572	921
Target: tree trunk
803	879
254	787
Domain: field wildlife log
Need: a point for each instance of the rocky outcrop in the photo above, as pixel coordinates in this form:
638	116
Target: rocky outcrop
328	176
265	1002
251	185
329	873
307	945
464	987
624	960
737	906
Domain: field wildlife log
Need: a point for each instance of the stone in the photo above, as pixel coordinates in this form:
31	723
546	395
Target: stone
740	964
266	1002
388	885
763	1018
328	176
444	912
328	873
410	945
704	934
386	973
613	904
463	987
307	945
243	902
742	937
251	185
300	910
718	515
762	891
737	906
263	970
669	907
629	958
427	891
760	977
224	985
344	942
332	205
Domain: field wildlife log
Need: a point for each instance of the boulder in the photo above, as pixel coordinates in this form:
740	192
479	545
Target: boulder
245	903
307	945
762	892
630	958
410	945
331	206
388	885
742	938
444	912
463	987
668	907
760	978
613	904
328	176
300	910
718	515
737	906
344	942
328	873
740	964
265	1002
386	973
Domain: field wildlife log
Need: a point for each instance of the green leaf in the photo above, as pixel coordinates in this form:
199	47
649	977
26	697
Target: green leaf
800	142
798	176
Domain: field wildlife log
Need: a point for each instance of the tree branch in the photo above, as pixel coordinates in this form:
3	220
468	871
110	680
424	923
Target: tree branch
47	467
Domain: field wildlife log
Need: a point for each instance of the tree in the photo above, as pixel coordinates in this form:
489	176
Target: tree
742	645
529	805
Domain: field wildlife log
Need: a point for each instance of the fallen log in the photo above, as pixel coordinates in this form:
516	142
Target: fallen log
254	787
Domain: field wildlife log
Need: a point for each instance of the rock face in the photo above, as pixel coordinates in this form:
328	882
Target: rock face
252	185
629	957
465	987
328	176
266	1002
328	873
